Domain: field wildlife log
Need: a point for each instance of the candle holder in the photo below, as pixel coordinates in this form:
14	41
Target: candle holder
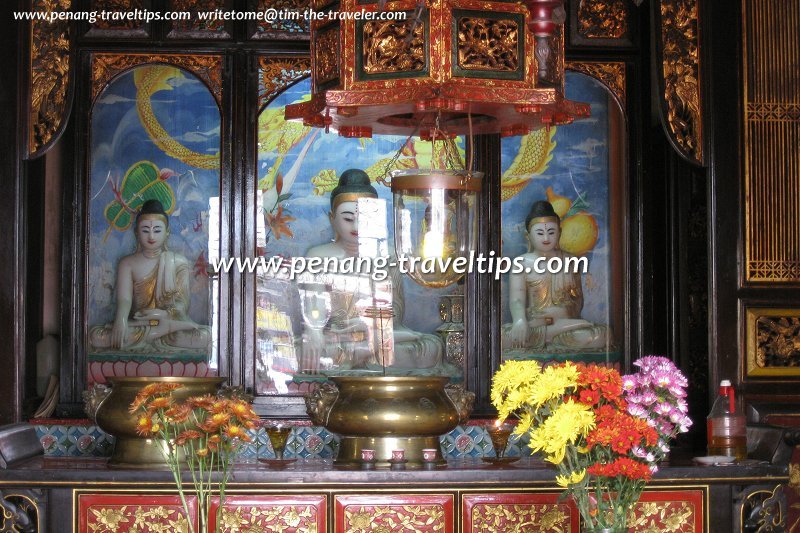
278	437
499	435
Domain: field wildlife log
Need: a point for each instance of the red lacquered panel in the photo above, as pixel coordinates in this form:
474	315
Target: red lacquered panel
390	513
676	511
120	513
519	512
289	514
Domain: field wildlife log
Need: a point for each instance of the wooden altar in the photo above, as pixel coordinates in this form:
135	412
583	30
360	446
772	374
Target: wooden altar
466	496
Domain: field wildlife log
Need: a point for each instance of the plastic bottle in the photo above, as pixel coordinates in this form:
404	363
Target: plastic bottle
727	425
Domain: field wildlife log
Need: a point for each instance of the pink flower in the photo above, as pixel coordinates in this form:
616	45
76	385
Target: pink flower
648	397
663	408
628	383
637	410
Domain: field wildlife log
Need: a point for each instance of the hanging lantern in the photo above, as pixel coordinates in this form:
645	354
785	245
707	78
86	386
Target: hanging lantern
434	223
498	63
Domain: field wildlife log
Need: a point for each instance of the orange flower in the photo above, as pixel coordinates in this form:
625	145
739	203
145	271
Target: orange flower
202	452
161	402
178	413
137	403
213	442
201	402
156	428
233	431
240	409
155	389
187	435
279	223
220	406
144	425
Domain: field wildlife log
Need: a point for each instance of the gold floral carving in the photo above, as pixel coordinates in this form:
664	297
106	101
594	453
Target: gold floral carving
386	48
206	67
773	341
610	74
277	73
794	475
681	72
326	50
554	518
778	341
286	25
602	19
147	518
118	6
660	516
418	518
195	24
488	44
257	519
49	74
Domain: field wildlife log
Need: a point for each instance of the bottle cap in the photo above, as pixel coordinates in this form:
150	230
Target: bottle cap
725	383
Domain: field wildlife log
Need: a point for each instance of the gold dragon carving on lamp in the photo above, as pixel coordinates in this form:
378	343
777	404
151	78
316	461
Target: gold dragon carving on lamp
488	44
393	46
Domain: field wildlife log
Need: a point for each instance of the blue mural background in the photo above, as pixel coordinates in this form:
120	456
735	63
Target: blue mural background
186	109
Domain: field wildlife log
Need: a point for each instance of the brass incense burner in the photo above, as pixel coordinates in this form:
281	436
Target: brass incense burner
389	413
132	450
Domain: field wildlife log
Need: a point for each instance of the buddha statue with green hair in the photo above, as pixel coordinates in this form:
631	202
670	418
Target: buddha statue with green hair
363	326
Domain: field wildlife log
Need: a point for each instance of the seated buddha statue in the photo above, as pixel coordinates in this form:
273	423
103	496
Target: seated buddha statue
152	295
363	319
546	306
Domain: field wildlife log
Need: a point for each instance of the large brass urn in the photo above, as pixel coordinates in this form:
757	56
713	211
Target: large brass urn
388	413
132	450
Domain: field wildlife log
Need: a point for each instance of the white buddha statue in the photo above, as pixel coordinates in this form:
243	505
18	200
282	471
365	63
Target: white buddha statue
546	307
152	296
348	337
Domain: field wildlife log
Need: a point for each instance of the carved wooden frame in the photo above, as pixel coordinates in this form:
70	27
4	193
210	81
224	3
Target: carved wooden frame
751	366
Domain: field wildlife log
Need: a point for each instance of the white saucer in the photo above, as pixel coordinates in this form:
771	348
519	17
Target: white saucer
715	460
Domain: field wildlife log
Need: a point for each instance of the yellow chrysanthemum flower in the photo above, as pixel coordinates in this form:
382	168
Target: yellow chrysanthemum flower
511	376
565	425
553	383
571	479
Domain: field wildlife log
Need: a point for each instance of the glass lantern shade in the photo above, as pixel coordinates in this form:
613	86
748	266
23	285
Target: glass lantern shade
434	223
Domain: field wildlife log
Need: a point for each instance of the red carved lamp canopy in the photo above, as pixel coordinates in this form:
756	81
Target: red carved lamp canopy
462	65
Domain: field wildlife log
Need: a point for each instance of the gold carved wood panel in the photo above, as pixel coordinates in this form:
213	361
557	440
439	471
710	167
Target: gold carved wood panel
275	74
196	27
771	54
679	79
773	342
117	21
49	77
609	73
602	19
519	512
409	513
121	513
288	514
